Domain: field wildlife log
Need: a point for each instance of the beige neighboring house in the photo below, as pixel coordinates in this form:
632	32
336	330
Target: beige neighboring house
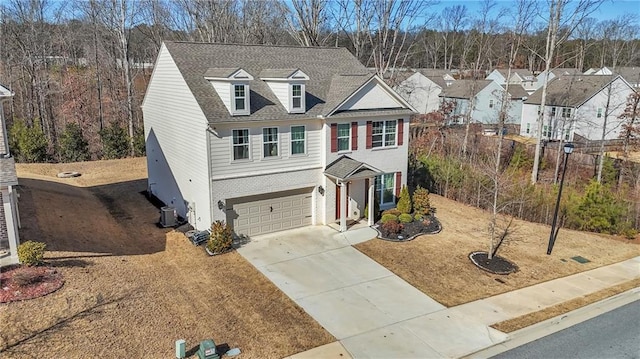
9	221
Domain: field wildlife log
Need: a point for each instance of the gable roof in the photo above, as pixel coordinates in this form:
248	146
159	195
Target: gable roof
631	74
5	91
346	167
571	90
516	91
334	74
435	72
462	88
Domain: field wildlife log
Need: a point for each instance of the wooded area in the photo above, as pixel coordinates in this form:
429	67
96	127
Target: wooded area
79	69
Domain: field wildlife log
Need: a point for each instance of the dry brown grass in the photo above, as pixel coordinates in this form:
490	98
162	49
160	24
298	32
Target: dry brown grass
438	265
132	289
526	320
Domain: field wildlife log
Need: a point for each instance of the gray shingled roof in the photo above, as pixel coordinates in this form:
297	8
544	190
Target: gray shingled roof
322	65
438	80
462	88
220	72
571	90
434	72
631	74
277	73
8	175
346	167
516	91
565	71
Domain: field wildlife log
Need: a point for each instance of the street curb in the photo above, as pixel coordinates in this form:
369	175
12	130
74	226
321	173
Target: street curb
558	323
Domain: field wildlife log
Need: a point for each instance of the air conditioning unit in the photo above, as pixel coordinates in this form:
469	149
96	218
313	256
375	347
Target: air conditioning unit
168	216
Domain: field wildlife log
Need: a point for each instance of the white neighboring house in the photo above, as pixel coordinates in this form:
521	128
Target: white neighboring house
577	105
630	74
554	73
423	88
488	98
272	137
9	221
522	77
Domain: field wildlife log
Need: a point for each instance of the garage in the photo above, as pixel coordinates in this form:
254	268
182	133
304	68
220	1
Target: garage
271	212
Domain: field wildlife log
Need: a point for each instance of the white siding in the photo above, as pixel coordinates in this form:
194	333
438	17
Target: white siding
371	96
175	131
224	91
420	92
223	166
281	90
529	116
496	76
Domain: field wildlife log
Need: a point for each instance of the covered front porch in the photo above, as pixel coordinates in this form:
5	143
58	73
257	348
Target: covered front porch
354	192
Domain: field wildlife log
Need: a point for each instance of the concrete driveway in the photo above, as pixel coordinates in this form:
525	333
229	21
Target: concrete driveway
370	310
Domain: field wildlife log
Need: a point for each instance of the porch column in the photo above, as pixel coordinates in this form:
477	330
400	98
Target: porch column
371	204
11	223
343	207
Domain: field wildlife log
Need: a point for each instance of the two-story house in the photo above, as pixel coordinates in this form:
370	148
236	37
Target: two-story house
521	77
422	89
487	96
272	137
9	221
630	74
578	104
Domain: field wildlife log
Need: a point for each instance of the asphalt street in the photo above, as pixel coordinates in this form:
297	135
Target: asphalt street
615	334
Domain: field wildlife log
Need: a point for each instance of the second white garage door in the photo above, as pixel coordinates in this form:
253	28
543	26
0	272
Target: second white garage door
272	212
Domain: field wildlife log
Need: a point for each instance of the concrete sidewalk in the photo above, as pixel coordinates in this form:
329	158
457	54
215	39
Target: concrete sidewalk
375	314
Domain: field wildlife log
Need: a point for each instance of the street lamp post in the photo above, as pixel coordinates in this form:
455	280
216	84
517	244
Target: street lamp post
568	148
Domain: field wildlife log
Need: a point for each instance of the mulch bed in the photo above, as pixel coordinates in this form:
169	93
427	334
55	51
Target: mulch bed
411	230
497	264
22	282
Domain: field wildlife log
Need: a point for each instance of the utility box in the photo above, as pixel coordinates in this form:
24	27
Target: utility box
207	350
168	216
181	348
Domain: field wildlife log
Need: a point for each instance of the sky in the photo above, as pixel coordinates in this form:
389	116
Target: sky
609	10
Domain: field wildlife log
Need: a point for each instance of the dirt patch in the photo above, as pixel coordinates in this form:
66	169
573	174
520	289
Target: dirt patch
132	288
514	324
439	266
495	265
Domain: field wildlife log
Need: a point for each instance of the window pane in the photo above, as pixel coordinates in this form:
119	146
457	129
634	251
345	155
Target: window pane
270	149
343	144
239	103
296	90
344	136
390	133
297	132
270	141
388	189
297	102
377	130
297	147
239	90
241	152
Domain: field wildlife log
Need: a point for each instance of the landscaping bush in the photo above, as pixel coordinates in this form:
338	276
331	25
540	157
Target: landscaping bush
597	211
31	253
393	211
24	277
28	142
405	218
418	217
389	218
115	142
73	146
404	203
221	237
392	228
421	204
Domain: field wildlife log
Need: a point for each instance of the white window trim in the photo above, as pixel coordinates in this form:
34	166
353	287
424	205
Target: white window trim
277	142
338	138
567	111
291	141
384	134
248	145
246	110
599	112
302	107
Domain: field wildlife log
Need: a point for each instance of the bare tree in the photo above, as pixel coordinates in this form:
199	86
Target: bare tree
562	16
308	22
453	20
354	18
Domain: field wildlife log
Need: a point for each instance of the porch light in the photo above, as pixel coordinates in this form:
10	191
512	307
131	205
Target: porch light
220	205
321	190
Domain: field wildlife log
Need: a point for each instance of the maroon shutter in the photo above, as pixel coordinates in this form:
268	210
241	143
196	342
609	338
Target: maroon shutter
398	179
334	137
400	131
369	131
354	136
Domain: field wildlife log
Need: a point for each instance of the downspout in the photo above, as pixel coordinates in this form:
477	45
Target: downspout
208	132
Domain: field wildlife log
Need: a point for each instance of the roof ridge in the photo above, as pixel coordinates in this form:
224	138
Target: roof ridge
256	45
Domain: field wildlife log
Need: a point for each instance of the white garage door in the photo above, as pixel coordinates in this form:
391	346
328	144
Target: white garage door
272	212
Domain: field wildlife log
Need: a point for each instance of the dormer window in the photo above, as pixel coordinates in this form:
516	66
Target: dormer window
232	85
289	87
240	98
296	97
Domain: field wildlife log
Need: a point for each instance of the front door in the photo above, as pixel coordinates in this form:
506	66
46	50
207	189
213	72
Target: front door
338	190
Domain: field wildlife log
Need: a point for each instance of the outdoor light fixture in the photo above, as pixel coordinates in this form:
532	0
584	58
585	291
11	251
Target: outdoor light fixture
220	204
321	190
568	148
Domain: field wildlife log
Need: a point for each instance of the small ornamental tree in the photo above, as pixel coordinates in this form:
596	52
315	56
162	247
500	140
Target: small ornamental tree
28	142
421	203
221	237
31	253
404	203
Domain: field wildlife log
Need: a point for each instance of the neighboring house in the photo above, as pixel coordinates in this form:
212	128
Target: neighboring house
578	105
522	77
591	71
423	88
554	73
630	74
9	221
488	98
272	137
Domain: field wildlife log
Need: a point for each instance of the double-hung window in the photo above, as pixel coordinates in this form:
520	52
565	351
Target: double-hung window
528	128
566	112
240	97
599	115
240	144
344	136
270	141
553	112
296	97
490	103
383	133
297	140
385	185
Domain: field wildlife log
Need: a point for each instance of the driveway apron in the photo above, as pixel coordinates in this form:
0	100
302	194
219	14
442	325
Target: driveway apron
370	310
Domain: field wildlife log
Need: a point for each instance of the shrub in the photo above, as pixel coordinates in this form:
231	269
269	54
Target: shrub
421	204
389	218
115	142
418	217
392	228
628	231
73	146
404	203
405	218
139	145
376	210
31	253
596	211
28	141
393	211
221	237
24	277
